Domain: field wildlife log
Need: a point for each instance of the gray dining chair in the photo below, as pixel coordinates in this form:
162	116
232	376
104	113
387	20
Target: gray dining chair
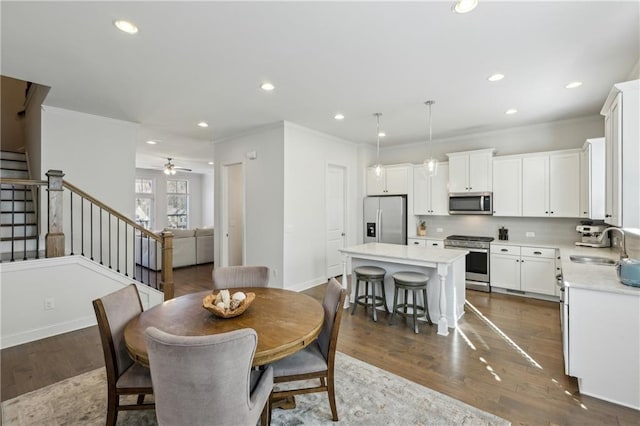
124	377
316	361
208	380
240	276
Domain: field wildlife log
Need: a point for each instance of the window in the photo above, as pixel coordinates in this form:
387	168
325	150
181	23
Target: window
144	202
178	204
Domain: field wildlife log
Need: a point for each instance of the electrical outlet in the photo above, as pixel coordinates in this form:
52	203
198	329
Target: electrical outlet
49	303
530	234
438	229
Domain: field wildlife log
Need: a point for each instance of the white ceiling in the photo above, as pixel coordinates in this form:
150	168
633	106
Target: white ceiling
206	60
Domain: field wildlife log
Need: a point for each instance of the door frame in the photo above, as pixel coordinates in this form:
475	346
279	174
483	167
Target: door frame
224	213
345	186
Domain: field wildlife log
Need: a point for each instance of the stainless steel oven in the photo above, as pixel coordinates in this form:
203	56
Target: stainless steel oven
477	261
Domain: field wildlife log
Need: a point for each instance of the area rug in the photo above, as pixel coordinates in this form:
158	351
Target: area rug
365	395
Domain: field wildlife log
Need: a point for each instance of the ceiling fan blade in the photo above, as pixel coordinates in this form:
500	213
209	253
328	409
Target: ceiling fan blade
182	168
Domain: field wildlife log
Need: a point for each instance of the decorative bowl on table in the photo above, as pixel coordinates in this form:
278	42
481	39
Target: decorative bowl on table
225	305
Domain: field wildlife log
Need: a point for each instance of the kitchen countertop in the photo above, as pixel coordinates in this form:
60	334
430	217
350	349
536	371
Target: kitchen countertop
527	243
394	252
593	277
426	237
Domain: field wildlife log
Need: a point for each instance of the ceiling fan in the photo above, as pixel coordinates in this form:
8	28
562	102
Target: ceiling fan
171	169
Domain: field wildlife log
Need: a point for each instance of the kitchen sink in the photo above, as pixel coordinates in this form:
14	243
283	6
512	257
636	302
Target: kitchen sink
594	260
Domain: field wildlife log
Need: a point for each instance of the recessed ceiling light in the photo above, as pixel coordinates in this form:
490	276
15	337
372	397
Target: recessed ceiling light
339	117
210	163
203	124
511	111
382	134
152	142
495	77
464	6
126	26
267	87
573	84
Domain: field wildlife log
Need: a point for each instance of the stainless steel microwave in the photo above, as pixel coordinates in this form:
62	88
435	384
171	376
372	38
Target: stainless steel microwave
471	203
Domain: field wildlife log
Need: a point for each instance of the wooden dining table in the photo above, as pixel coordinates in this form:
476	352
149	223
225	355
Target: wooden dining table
285	321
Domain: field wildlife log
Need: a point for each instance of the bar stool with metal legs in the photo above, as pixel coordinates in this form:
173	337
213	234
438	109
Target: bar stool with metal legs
370	275
415	282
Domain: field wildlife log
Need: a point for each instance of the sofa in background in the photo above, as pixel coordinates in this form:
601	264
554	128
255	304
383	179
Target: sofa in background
190	247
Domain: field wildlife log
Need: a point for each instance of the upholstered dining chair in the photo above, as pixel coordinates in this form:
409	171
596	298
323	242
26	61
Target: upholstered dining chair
124	376
316	361
240	276
208	380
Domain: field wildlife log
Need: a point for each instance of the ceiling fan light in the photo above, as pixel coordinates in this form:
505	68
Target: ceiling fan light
173	171
167	171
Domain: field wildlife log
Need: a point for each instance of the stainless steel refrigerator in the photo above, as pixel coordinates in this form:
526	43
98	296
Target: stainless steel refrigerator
385	220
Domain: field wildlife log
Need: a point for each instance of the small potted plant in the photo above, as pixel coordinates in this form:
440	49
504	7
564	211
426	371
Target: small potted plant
422	228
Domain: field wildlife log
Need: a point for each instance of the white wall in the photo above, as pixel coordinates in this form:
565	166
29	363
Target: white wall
550	136
26	285
307	154
264	195
196	197
97	154
208	204
33	131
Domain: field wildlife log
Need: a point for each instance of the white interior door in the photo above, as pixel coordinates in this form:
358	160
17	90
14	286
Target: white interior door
335	214
233	221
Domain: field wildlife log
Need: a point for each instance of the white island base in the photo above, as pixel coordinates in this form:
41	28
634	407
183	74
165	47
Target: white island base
445	268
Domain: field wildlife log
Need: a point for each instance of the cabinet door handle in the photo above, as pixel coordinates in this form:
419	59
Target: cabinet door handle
416	243
551	212
504	250
607	215
517	260
434	244
537	252
546	212
522	261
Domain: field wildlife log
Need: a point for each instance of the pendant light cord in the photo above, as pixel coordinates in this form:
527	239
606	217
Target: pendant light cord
378	114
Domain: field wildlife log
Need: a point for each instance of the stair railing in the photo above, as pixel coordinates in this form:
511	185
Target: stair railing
101	233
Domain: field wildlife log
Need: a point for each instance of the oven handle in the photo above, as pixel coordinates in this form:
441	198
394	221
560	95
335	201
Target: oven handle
476	250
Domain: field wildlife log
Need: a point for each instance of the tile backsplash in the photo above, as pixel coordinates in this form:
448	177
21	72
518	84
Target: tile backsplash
544	230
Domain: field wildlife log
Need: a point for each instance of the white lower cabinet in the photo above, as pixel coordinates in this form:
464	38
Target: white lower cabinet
421	242
418	242
526	268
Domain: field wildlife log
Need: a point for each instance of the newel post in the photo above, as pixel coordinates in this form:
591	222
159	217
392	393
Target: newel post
167	265
54	240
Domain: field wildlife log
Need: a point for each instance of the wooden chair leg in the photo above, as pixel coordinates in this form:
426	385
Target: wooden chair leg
265	417
112	408
332	397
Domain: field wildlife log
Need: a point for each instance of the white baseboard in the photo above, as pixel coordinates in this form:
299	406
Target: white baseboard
307	284
51	330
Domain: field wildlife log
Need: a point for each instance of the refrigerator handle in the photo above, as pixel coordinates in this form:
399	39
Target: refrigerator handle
378	224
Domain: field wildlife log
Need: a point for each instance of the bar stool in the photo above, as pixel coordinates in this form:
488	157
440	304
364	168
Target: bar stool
415	282
370	275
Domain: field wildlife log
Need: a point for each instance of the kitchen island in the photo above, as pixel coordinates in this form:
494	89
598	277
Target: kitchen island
445	268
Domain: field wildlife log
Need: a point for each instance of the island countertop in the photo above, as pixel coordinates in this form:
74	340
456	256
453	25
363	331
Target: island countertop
407	254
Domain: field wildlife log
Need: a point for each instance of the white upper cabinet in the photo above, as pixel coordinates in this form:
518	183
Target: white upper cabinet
394	180
592	179
431	194
551	184
564	184
621	112
471	171
507	186
535	186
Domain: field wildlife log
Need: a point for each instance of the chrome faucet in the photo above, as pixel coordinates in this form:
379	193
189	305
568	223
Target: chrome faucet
623	250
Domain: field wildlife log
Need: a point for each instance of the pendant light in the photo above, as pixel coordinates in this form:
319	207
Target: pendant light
378	167
430	164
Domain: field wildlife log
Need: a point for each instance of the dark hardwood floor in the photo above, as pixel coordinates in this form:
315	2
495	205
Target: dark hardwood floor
505	357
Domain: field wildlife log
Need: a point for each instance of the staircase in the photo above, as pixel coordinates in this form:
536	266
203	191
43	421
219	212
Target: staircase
18	222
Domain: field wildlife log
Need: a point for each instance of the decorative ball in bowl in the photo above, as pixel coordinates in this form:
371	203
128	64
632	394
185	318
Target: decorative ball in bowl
226	305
